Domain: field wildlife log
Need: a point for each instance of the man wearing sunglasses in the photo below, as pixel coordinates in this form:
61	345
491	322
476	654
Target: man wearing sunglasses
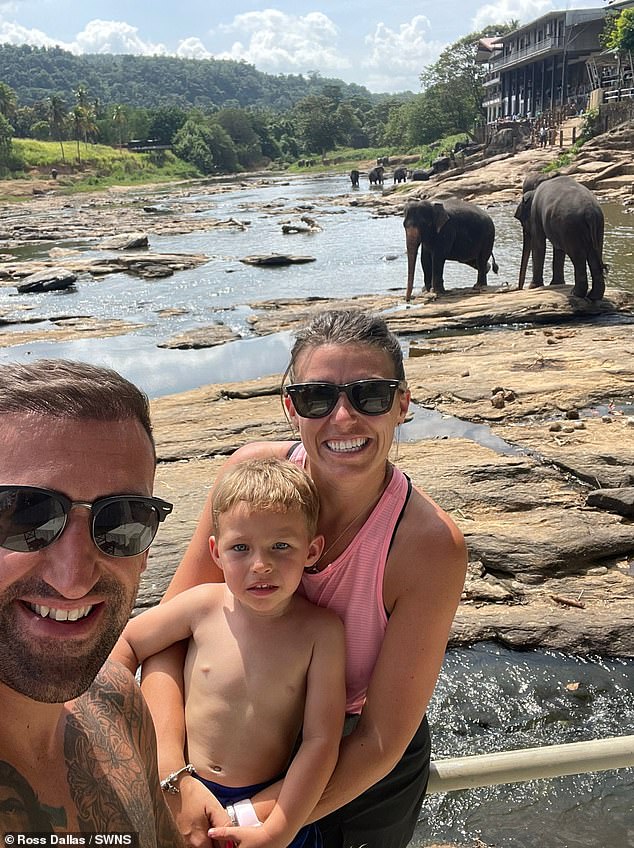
77	517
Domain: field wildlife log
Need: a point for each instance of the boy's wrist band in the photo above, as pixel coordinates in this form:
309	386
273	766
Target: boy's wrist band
170	784
245	814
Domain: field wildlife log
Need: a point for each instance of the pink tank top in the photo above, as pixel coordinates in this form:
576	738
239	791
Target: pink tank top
352	585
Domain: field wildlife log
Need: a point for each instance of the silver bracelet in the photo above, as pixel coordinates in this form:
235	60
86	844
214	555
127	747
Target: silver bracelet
232	814
170	784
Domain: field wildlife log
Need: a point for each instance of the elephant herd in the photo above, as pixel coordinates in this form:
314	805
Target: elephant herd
555	207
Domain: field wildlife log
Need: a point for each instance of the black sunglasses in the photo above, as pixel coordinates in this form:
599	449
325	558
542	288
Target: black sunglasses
121	525
370	397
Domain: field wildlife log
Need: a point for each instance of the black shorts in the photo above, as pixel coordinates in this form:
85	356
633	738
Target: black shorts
385	815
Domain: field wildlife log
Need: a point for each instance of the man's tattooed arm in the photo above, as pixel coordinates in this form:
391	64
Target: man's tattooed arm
110	751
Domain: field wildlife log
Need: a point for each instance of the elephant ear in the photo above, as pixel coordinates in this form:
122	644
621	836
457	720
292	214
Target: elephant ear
441	216
523	211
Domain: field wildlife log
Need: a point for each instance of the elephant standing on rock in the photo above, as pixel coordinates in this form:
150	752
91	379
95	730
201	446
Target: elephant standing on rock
454	230
354	178
376	175
567	214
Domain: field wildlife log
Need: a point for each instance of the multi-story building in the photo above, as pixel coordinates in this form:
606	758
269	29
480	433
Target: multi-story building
542	65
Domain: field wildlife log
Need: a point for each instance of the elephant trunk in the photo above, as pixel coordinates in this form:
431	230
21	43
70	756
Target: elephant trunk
526	252
412	240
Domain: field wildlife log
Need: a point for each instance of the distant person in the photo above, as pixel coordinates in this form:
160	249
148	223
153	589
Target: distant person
393	569
543	137
77	516
54	173
264	666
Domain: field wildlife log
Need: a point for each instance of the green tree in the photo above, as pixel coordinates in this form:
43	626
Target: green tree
8	101
237	123
618	33
9	160
57	114
454	80
316	124
206	145
120	120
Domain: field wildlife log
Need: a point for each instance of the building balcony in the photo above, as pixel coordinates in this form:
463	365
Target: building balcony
491	79
533	51
495	100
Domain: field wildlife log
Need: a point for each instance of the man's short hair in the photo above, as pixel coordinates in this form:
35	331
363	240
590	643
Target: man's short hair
61	388
270	484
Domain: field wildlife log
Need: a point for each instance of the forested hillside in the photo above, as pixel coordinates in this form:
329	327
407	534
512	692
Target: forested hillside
35	73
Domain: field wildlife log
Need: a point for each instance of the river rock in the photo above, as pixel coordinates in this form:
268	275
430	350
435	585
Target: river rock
276	259
126	241
202	337
54	279
614	500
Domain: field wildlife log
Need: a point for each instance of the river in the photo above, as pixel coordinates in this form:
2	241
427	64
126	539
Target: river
487	698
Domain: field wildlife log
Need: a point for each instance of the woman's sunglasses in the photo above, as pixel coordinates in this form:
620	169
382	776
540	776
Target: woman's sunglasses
369	397
121	525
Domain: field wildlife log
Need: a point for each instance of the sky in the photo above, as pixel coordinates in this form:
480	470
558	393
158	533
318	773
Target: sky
381	44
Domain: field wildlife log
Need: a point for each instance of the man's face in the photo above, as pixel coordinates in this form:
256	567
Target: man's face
41	656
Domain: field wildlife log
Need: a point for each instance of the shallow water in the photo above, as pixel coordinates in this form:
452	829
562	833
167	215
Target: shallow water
487	698
491	699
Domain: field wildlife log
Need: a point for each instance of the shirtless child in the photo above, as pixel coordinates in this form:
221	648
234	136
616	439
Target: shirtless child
263	664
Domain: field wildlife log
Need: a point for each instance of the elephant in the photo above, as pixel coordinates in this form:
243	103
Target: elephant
400	175
422	174
354	178
376	175
567	214
454	230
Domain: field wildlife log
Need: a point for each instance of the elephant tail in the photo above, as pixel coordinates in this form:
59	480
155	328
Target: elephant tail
494	264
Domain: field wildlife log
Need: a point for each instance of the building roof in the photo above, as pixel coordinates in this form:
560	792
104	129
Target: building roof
572	16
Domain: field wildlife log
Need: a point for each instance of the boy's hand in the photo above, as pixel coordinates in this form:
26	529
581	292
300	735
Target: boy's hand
245	837
195	810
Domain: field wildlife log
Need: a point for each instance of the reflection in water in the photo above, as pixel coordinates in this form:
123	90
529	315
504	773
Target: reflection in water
430	424
160	371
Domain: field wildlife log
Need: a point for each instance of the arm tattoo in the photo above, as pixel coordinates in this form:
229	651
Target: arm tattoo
110	752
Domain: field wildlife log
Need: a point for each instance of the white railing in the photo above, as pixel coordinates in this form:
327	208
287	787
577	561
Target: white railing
615	752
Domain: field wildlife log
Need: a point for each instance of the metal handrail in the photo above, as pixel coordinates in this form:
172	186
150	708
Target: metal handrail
531	764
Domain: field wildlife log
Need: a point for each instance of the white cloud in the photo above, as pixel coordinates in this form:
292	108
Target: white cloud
96	37
522	10
397	57
192	48
114	37
276	42
12	33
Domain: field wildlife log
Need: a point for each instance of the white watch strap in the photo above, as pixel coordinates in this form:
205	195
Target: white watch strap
245	813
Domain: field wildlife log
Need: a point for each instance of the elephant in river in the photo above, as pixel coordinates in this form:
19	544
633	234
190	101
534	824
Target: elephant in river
454	230
354	178
376	175
400	175
567	214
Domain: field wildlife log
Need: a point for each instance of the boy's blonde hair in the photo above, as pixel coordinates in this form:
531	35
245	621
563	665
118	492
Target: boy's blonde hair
267	484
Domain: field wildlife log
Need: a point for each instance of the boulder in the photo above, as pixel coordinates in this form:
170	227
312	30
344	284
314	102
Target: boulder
52	279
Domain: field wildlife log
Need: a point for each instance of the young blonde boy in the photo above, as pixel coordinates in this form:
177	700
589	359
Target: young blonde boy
263	664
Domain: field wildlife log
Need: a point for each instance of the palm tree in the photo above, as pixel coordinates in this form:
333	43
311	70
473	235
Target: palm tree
57	118
119	119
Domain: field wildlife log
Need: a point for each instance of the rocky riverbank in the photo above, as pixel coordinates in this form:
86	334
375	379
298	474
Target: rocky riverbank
545	500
